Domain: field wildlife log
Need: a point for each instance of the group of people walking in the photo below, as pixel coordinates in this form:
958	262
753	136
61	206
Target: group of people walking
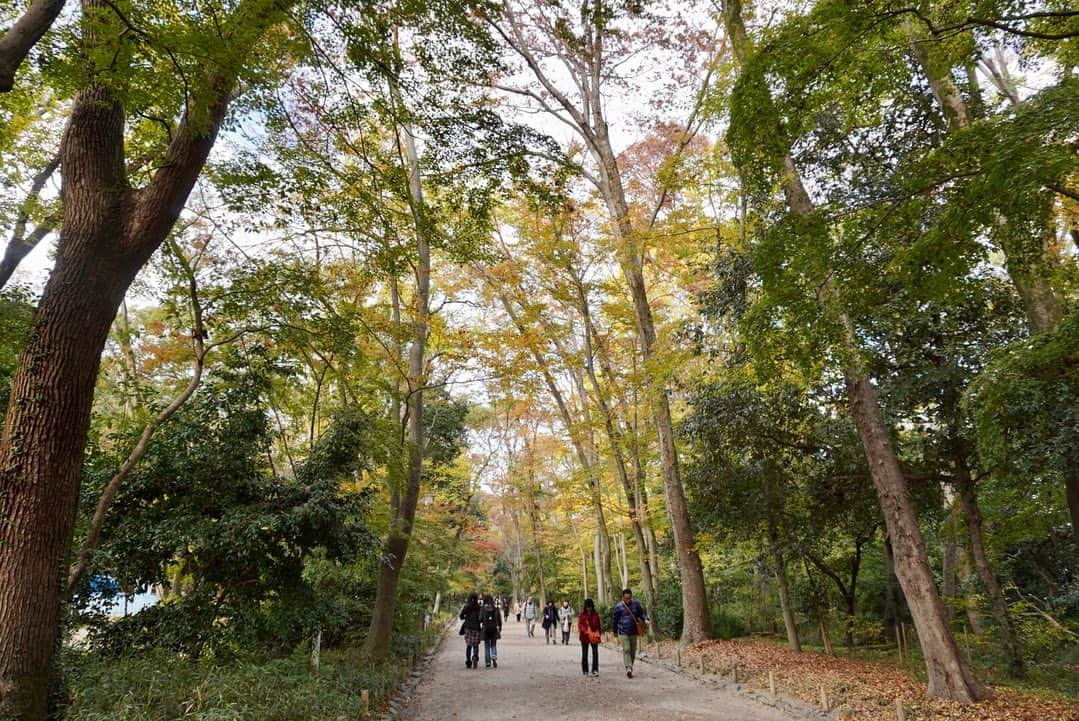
482	620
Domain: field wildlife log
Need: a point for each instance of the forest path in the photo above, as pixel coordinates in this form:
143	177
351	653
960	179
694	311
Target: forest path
537	681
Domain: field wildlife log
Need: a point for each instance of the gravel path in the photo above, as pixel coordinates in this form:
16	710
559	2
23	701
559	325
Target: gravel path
535	681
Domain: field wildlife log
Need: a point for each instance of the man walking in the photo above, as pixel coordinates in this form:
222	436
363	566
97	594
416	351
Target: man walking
628	621
530	617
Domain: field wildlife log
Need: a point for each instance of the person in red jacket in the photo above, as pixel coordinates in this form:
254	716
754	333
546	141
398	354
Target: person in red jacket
588	629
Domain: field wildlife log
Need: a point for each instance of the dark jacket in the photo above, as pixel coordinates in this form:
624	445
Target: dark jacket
491	622
622	621
550	616
471	617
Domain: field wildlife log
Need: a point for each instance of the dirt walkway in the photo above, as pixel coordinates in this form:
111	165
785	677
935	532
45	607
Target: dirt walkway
535	681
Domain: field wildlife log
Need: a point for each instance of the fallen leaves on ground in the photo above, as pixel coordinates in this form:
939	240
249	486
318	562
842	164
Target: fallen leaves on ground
856	689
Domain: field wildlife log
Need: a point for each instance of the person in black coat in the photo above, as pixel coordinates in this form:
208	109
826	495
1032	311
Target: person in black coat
550	622
471	630
491	624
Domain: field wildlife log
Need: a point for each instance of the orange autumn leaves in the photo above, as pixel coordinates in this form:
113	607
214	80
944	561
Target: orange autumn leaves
857	689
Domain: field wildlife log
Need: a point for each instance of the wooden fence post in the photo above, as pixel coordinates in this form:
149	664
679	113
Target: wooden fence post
772	682
365	703
823	698
900	711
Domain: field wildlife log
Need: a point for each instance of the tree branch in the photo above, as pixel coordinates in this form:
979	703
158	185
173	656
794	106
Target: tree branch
20	38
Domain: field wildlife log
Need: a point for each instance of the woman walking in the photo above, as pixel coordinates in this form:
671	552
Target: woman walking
589	631
470	629
565	620
491	622
550	623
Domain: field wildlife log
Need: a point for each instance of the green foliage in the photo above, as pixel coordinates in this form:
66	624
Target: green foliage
1025	408
231	539
16	315
164	686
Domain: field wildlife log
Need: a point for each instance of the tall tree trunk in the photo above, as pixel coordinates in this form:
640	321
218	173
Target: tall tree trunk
948	674
395	547
582	449
614	435
949	585
1029	275
780	569
696	621
973	517
107	234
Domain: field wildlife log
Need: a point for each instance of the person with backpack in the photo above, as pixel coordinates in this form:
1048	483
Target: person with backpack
471	630
491	623
588	630
628	621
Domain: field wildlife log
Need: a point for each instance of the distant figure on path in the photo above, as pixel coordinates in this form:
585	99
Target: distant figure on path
530	616
565	620
491	621
588	629
517	610
550	623
470	614
628	621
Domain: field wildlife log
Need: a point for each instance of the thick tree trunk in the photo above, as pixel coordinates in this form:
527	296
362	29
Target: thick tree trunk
948	675
380	631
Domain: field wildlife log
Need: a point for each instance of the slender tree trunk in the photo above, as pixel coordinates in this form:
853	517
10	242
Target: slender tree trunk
949	587
20	38
395	547
780	568
1030	276
614	436
973	518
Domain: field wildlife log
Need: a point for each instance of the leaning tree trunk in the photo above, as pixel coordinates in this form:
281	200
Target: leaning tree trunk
780	568
973	517
948	675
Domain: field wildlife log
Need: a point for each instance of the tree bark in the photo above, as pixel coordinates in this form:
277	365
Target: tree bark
780	568
20	38
948	675
973	517
395	548
108	232
589	121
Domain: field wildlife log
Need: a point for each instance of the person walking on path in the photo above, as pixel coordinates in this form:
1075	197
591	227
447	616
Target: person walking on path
471	630
491	623
550	623
588	630
565	620
628	621
530	616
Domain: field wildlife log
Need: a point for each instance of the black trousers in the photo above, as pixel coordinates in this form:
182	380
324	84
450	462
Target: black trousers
584	657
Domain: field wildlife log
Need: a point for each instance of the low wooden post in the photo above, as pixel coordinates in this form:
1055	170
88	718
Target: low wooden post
823	698
678	656
772	682
700	662
365	703
734	670
659	651
900	711
316	652
899	643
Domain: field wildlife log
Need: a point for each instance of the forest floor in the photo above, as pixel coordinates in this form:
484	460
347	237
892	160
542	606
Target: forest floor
856	689
535	680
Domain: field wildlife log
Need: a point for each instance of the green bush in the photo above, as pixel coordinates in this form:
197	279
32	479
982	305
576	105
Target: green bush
162	685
